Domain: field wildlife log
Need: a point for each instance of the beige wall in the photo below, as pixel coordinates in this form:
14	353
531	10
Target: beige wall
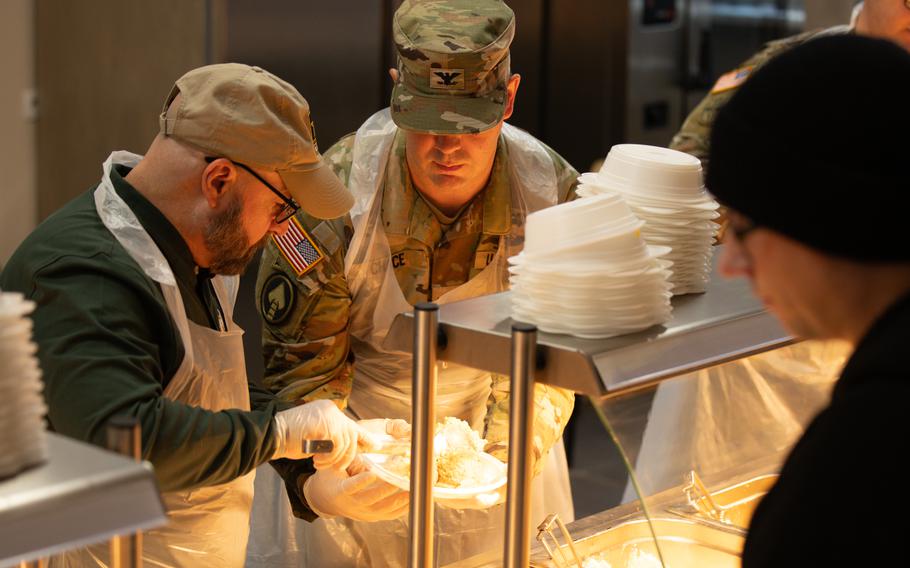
827	13
18	199
103	68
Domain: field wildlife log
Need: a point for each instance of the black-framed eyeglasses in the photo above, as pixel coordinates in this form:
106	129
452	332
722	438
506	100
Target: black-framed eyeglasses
738	228
291	207
742	227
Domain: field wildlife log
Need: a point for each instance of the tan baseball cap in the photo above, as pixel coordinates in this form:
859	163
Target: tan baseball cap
250	116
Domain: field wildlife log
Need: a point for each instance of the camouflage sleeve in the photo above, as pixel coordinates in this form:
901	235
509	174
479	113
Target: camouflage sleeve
340	157
695	135
305	342
552	409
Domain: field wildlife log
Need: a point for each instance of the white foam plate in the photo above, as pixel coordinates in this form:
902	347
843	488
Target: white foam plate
567	276
592	302
376	462
592	317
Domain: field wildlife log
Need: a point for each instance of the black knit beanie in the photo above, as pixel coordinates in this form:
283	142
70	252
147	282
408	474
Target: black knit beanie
816	146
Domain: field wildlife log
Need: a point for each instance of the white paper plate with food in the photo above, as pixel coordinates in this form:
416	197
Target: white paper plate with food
462	469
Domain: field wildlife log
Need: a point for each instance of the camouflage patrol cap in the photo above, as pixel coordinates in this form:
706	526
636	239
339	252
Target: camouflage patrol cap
453	62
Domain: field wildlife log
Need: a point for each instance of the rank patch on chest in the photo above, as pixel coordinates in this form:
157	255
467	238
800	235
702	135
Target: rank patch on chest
277	298
298	248
731	80
447	79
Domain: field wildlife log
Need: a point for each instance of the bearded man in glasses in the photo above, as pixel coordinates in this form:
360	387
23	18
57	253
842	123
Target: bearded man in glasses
135	282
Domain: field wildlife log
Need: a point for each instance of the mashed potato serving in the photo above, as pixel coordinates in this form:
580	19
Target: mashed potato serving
459	457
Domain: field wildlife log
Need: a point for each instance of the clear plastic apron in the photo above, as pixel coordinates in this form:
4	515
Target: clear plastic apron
207	527
747	411
382	378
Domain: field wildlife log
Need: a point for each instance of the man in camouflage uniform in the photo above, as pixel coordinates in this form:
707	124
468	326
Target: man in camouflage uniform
693	138
442	189
887	19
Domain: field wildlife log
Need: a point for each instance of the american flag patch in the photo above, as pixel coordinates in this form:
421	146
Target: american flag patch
732	79
298	248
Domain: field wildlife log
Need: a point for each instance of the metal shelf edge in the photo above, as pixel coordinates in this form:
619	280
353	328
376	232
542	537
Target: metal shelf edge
81	495
725	323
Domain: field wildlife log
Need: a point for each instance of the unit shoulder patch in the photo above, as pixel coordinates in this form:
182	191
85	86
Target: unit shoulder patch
298	248
732	80
276	298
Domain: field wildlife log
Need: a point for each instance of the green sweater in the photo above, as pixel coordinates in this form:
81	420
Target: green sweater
108	345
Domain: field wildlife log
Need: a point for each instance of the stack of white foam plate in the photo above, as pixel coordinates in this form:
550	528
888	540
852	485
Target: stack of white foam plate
665	189
23	441
586	271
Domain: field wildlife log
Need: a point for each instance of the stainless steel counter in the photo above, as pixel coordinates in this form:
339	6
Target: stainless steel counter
724	323
80	496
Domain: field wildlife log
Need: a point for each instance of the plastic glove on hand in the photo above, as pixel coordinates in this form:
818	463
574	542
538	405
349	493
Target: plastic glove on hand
355	493
320	420
398	429
481	501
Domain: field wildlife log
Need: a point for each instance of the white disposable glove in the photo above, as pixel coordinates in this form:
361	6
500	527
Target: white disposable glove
480	501
391	426
355	493
320	420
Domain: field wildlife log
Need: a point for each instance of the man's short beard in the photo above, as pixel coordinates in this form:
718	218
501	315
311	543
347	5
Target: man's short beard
230	248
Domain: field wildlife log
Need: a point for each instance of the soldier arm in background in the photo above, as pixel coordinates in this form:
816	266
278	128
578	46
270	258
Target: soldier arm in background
552	409
552	405
305	314
695	135
305	341
305	309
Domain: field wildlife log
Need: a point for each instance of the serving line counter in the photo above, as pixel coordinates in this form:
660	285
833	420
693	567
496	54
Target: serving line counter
726	323
80	496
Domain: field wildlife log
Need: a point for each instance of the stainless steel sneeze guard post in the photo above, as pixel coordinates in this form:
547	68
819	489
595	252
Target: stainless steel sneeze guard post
76	498
517	552
423	422
124	436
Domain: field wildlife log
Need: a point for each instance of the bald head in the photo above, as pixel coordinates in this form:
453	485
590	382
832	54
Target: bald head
171	163
222	212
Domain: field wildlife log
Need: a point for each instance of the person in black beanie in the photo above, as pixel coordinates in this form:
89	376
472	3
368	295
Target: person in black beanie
816	222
